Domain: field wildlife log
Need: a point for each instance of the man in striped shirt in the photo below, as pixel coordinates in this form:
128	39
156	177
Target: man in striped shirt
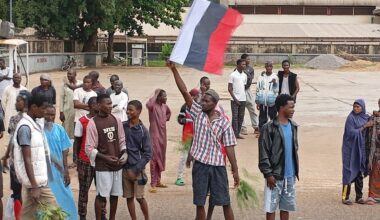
211	130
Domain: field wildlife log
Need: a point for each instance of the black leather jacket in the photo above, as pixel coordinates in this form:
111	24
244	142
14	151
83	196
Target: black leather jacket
271	149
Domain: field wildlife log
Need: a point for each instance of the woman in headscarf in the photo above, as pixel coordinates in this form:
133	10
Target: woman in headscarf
46	89
354	152
374	159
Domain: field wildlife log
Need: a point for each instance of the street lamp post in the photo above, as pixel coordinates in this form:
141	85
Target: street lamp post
10	11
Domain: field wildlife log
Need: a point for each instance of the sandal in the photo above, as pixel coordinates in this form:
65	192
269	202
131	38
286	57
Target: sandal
162	185
347	202
180	182
360	201
370	201
153	190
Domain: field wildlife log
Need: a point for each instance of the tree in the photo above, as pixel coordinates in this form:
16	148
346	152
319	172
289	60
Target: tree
82	19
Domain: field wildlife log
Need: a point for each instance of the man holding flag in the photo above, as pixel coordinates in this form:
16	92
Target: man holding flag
211	130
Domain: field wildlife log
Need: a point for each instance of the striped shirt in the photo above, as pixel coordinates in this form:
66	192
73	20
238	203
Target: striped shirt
210	136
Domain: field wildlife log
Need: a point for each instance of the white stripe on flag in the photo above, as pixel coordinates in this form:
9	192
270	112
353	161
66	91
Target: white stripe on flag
182	46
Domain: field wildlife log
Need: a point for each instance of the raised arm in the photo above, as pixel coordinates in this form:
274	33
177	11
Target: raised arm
180	84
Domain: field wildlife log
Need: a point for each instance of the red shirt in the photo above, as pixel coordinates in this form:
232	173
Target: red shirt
82	153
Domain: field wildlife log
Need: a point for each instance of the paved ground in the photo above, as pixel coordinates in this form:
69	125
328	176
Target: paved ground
322	106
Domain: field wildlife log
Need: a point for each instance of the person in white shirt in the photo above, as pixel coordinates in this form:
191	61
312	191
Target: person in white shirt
236	88
81	97
266	94
6	75
119	101
9	98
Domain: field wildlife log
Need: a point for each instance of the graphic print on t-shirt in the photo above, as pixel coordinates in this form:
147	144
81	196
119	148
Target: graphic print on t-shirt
110	133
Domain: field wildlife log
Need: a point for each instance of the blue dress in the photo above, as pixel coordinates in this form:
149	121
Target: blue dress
59	141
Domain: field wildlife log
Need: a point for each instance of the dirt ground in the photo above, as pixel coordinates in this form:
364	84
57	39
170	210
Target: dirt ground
322	106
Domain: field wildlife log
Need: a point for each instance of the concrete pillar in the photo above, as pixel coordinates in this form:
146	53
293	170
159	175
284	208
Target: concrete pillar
332	49
371	49
294	48
47	49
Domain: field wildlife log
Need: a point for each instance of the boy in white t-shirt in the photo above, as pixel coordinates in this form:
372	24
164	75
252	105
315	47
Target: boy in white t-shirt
236	88
81	97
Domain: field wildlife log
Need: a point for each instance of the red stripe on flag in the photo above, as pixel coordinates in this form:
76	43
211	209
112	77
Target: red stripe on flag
219	39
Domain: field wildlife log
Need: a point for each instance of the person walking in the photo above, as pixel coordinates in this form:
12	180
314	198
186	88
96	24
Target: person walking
32	159
266	93
288	81
139	150
354	157
59	144
278	160
159	114
105	147
66	104
236	88
250	104
211	130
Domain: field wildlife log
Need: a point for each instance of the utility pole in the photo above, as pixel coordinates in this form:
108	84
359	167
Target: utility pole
10	11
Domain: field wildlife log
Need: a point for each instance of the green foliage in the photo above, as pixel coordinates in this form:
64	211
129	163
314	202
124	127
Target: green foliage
166	50
50	212
185	146
4	9
81	19
246	195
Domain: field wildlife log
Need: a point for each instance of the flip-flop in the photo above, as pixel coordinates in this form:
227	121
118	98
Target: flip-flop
153	190
180	182
360	201
161	185
347	202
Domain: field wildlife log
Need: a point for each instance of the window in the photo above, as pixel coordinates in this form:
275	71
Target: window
292	10
317	10
266	10
244	9
364	10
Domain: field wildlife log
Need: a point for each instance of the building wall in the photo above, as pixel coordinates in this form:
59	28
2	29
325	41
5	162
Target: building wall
322	19
306	2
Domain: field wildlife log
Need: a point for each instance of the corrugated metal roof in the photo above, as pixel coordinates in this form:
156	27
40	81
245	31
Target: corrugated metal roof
253	30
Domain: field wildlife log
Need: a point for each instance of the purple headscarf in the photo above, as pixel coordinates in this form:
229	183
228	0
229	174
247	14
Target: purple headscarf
353	149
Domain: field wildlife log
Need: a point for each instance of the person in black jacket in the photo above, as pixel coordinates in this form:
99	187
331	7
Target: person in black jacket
139	149
288	81
278	159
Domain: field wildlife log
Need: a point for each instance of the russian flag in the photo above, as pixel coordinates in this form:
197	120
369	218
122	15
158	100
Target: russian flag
204	36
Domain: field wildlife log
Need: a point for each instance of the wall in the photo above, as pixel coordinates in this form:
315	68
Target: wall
320	19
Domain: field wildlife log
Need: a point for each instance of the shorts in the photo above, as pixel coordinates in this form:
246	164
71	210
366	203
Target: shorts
109	183
282	196
132	188
213	179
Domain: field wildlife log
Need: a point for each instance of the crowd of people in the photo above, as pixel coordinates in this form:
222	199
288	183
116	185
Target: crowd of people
112	146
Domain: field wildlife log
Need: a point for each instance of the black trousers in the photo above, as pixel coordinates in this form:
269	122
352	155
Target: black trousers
237	116
358	188
266	111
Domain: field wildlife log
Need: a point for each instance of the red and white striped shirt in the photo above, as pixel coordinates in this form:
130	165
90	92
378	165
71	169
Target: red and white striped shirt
209	137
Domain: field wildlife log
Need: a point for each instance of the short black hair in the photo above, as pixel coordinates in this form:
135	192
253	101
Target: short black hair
161	92
101	97
136	103
92	100
115	76
285	61
239	61
94	75
282	100
244	56
87	77
50	106
38	100
203	79
25	95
